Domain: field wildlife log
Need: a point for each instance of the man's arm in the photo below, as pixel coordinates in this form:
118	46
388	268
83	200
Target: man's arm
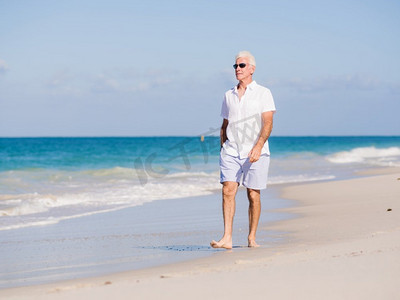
267	121
223	136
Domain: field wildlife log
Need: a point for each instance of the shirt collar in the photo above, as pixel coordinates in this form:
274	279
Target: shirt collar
251	86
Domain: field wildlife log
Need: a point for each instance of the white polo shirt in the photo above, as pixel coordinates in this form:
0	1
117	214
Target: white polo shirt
244	118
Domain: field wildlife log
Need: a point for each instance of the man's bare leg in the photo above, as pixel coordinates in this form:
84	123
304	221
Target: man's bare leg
229	190
254	215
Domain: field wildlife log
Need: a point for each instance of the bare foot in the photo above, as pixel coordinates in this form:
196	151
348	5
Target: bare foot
221	244
253	244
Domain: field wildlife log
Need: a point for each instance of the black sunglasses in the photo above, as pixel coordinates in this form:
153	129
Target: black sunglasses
242	65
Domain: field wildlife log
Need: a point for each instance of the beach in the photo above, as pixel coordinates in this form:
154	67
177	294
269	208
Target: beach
341	242
119	154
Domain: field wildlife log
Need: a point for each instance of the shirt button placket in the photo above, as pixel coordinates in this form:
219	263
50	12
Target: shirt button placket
240	118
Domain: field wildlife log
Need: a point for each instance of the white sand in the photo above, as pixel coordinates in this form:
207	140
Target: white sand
344	244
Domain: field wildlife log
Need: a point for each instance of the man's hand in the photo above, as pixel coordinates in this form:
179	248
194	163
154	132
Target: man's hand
255	153
267	118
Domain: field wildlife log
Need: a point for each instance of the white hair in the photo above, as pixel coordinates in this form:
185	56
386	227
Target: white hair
248	55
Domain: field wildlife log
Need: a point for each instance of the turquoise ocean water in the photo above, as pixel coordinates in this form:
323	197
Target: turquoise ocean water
46	180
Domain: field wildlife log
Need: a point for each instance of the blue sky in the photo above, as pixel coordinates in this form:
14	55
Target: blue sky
140	68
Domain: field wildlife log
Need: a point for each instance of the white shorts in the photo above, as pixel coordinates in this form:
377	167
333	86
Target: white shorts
255	175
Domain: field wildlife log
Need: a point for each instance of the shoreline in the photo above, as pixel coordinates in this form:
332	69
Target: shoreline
155	234
342	243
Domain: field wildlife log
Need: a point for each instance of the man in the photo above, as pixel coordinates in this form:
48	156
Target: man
247	112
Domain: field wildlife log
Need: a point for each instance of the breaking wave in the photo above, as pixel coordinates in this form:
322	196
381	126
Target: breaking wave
385	157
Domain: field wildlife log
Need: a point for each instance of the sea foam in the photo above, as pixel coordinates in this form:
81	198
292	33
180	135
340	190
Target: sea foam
83	193
368	155
46	187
